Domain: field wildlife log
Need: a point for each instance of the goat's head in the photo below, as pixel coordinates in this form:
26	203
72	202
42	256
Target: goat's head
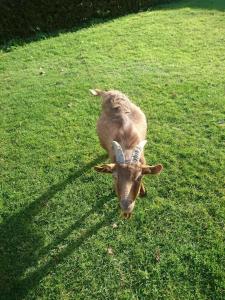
128	175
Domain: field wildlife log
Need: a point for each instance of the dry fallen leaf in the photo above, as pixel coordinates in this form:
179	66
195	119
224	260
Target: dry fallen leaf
41	71
174	95
221	123
157	255
114	225
110	251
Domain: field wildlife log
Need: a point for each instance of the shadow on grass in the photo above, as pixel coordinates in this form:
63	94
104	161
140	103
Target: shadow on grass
202	4
208	4
21	247
8	45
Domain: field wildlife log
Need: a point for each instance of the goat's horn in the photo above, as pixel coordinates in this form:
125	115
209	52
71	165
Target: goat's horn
118	152
137	152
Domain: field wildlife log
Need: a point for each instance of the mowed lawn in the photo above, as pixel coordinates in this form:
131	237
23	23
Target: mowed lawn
58	238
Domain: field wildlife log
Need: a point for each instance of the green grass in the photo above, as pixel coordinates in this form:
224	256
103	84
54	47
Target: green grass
57	213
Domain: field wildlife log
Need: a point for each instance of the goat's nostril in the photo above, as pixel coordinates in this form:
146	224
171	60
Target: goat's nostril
127	206
124	205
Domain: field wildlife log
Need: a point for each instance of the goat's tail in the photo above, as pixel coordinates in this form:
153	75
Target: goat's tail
96	92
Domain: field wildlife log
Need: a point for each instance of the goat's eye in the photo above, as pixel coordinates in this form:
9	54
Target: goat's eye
114	175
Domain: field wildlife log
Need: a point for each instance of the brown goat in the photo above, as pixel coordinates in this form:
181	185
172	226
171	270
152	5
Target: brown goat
122	131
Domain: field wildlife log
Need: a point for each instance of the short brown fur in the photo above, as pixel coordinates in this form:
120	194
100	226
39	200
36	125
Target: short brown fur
124	122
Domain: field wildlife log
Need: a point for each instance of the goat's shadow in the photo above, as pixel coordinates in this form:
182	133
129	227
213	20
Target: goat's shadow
21	247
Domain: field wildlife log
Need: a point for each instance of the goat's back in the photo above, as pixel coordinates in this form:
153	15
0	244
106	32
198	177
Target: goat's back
120	120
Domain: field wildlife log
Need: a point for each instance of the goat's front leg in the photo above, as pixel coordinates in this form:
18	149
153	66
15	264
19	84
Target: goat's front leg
142	192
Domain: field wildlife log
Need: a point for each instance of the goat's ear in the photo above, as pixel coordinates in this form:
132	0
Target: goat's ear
152	169
109	168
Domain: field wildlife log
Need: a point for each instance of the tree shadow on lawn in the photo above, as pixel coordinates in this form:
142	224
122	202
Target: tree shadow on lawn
21	247
201	4
208	4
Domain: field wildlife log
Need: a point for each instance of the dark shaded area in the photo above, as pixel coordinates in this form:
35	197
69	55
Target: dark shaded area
205	4
7	41
21	247
6	45
24	18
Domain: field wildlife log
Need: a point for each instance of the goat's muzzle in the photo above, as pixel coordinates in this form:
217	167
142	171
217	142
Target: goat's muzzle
127	208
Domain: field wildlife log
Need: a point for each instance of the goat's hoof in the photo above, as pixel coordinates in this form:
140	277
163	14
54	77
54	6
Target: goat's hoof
143	193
